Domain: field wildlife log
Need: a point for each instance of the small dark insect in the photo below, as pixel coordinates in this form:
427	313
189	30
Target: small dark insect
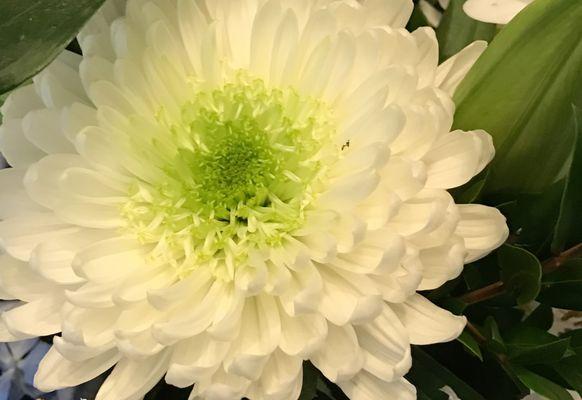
346	145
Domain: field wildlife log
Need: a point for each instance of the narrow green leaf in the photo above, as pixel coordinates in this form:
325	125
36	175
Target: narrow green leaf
568	230
457	30
470	344
521	90
541	385
521	272
34	32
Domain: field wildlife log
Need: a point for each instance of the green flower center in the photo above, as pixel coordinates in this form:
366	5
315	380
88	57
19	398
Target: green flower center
245	164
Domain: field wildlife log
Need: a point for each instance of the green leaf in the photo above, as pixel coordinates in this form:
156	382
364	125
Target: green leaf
529	345
542	317
541	385
470	344
429	376
417	19
521	90
568	230
495	341
457	30
521	272
570	369
34	32
562	288
532	217
575	340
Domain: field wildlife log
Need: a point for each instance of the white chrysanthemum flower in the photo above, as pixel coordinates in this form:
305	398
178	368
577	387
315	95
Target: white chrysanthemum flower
220	189
494	11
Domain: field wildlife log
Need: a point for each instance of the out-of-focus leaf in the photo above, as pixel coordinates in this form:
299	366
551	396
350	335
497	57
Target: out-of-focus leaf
541	385
521	90
417	19
532	217
429	376
575	340
34	32
310	378
568	227
470	344
457	30
570	369
521	272
562	288
469	192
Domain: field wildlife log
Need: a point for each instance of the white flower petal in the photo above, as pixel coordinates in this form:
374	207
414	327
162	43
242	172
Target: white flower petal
56	372
366	386
15	202
302	334
385	346
195	359
38	318
427	323
259	336
43	129
19	102
482	228
19	281
495	12
14	146
20	235
348	297
457	157
339	366
131	380
452	72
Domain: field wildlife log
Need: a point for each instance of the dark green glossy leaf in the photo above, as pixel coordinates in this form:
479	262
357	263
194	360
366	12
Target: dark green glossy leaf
530	345
541	385
430	377
521	272
34	32
568	229
542	318
470	344
457	30
562	288
521	90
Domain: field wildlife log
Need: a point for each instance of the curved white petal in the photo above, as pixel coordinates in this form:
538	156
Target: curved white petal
482	228
366	386
452	72
56	372
427	323
131	380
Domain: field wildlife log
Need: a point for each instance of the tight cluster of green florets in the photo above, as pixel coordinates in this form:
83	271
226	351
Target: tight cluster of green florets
248	161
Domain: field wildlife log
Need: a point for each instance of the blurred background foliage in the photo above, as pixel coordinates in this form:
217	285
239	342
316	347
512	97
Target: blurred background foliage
524	301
